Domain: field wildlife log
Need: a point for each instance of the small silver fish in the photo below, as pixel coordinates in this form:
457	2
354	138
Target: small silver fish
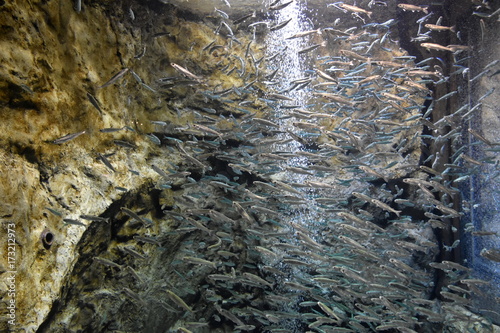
107	262
74	222
384	206
177	300
199	261
68	137
114	78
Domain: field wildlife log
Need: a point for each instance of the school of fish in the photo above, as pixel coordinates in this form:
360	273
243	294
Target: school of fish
242	176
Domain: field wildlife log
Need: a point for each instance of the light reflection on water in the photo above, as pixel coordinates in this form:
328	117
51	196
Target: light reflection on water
292	67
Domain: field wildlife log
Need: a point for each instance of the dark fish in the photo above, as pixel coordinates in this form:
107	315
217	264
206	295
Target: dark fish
279	25
94	102
310	48
110	129
280	6
106	162
107	262
94	218
124	144
243	18
133	215
146	239
177	300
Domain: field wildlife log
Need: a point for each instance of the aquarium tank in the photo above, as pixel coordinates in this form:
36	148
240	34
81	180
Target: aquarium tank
250	166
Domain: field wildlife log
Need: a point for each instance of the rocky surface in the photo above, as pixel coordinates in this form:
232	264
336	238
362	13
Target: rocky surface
52	58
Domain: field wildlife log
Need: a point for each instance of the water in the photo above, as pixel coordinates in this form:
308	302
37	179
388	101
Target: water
334	210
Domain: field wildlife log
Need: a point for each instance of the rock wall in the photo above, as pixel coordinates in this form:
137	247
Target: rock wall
52	58
56	64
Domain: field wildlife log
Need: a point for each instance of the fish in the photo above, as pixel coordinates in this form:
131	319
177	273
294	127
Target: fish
316	184
373	172
74	222
55	212
244	327
279	97
265	122
480	137
310	48
68	137
184	330
329	312
183	71
280	6
134	216
94	102
111	129
107	262
141	53
160	172
354	9
264	210
239	208
325	75
354	55
154	139
133	252
361	196
256	279
106	162
199	261
244	17
178	301
434	46
280	25
440	27
454	297
94	218
229	315
115	78
77	6
285	187
146	239
305	33
413	8
221	13
207	130
491	254
124	144
334	97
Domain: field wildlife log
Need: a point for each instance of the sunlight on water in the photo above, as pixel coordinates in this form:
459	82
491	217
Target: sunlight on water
292	67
